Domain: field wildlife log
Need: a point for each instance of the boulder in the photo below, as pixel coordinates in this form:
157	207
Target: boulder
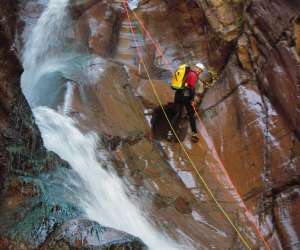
85	234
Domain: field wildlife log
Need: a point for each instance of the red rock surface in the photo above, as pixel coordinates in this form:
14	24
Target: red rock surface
250	115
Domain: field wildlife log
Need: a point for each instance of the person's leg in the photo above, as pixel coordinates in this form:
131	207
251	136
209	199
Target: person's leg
176	113
191	114
178	107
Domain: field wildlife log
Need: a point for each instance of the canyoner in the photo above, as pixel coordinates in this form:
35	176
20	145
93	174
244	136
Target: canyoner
189	88
184	83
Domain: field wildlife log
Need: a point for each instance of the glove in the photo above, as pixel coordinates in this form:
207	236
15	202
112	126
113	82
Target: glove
198	99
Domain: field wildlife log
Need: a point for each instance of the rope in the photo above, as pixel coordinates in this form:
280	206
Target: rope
246	244
150	37
248	213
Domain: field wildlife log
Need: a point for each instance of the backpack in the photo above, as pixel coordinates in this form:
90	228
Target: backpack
178	79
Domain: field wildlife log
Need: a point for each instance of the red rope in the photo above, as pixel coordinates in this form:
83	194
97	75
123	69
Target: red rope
248	213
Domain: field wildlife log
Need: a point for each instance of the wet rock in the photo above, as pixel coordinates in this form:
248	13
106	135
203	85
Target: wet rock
161	201
182	205
155	185
8	244
79	7
144	90
243	53
47	219
33	206
18	192
286	211
113	108
297	34
224	17
160	125
245	112
22	148
85	234
277	67
102	33
258	111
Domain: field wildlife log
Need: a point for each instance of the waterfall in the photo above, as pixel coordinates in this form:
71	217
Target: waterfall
105	200
46	66
133	4
43	57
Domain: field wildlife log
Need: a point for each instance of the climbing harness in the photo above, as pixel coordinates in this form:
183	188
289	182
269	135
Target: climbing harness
243	240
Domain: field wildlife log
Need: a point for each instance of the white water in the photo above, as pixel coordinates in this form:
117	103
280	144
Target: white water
42	56
106	201
133	4
103	196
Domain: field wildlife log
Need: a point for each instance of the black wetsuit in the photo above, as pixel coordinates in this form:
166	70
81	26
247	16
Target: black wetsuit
184	98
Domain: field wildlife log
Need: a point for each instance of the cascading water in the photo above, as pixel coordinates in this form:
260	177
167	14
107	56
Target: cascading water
133	4
47	73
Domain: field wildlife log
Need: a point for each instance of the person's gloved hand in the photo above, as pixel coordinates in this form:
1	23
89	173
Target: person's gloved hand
198	99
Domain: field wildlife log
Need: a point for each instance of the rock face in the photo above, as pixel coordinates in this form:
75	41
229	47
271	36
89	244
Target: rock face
83	234
9	79
224	17
252	113
256	106
23	156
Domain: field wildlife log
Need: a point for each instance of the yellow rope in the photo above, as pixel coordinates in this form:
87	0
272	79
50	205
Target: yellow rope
184	150
193	164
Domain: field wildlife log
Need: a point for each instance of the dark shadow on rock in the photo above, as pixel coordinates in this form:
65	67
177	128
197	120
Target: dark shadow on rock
161	127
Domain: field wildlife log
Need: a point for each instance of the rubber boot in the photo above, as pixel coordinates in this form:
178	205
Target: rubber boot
170	136
195	137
